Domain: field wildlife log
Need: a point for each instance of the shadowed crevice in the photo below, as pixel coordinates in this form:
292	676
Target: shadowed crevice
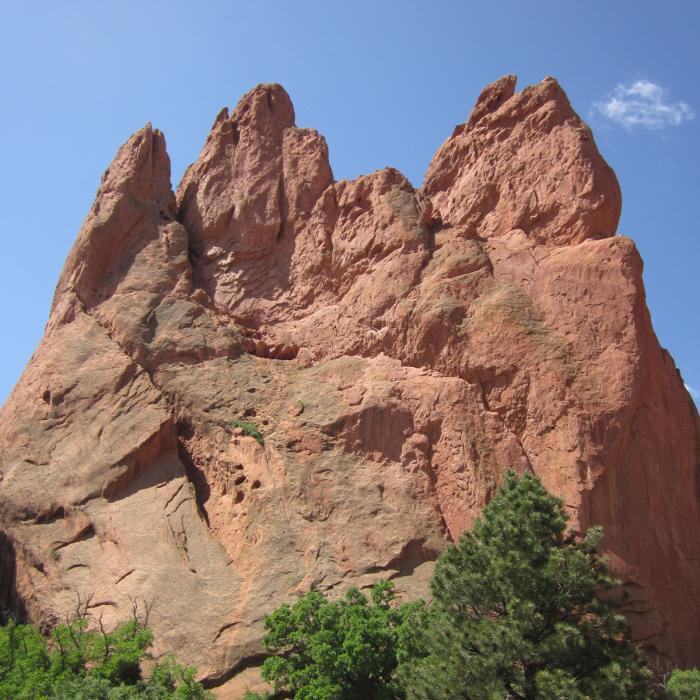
195	473
11	605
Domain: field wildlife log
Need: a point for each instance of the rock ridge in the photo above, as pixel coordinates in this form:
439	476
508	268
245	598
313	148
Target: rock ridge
398	348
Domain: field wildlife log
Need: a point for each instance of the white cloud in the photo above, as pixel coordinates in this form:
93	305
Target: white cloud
643	103
693	392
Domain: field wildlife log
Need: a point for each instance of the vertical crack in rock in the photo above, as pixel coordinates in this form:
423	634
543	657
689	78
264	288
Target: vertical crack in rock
196	474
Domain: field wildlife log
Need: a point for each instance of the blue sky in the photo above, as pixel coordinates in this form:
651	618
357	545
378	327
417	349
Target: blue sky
385	82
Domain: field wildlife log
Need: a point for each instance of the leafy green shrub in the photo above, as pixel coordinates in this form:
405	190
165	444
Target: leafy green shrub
517	612
684	685
77	661
248	428
340	650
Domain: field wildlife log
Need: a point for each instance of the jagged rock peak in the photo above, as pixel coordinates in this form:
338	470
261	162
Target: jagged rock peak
266	106
491	98
141	169
134	197
255	182
524	161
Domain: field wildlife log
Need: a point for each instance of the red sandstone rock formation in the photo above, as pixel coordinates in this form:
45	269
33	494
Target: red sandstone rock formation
399	349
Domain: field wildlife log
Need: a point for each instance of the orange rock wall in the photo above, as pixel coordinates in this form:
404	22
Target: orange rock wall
399	349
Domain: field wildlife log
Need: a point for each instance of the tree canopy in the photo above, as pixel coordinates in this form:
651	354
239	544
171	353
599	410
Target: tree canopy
88	663
336	650
523	609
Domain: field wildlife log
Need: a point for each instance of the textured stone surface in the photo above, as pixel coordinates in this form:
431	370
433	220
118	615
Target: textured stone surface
399	349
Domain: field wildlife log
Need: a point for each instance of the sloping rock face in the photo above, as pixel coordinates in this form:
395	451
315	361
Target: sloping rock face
399	350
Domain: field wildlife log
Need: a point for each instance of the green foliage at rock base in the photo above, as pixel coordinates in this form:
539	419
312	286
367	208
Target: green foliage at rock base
522	609
82	662
336	650
684	685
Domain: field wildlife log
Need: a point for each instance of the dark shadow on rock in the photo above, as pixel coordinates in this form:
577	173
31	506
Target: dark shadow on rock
11	606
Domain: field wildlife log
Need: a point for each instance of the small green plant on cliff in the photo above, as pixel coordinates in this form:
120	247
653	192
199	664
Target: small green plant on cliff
248	428
83	660
523	609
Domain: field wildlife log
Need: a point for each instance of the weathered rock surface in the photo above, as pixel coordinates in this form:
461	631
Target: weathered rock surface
399	349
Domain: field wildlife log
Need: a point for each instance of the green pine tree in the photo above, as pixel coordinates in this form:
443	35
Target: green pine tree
521	609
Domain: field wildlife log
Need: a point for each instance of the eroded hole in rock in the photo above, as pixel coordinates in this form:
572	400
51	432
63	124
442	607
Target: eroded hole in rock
184	429
413	554
255	485
249	412
83	533
51	515
239	480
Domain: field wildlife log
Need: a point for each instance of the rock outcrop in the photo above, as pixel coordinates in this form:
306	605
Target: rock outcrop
399	350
